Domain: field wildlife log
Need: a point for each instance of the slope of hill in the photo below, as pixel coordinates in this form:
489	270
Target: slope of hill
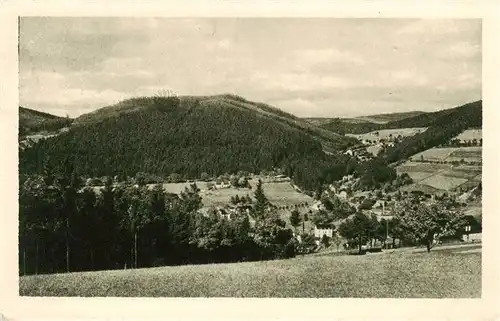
376	119
189	136
442	126
443	273
31	121
390	117
330	141
419	119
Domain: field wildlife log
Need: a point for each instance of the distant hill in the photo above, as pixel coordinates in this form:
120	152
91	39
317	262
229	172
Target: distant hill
330	141
32	121
441	127
419	119
390	117
363	120
192	135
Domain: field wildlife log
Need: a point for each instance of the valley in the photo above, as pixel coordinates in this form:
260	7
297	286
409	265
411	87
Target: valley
312	183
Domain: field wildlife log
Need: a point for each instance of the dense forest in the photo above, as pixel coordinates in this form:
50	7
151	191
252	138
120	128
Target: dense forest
66	227
166	135
421	120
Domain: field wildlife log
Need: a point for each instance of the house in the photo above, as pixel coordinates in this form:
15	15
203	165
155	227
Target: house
219	184
348	152
472	237
319	232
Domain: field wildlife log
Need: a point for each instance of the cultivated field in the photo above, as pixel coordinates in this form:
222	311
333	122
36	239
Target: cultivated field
450	154
439	274
443	182
470	134
388	133
441	176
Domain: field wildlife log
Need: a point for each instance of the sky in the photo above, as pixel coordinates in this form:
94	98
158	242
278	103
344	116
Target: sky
314	67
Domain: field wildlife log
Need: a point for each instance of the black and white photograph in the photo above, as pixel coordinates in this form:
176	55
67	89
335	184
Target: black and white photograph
239	157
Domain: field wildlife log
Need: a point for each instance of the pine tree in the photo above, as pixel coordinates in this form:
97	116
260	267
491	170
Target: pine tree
261	202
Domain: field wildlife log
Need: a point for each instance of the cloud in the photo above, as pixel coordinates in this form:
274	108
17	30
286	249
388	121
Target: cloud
329	55
305	66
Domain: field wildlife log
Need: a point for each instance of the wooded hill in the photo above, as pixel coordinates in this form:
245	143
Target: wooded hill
31	121
441	127
420	120
190	136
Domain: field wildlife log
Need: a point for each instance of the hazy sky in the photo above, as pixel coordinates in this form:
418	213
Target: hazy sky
309	67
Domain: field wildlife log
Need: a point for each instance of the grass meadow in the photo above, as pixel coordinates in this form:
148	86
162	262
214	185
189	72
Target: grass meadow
470	134
439	274
278	193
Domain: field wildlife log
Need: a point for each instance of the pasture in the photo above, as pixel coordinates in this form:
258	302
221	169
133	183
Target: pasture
441	176
401	274
450	154
278	193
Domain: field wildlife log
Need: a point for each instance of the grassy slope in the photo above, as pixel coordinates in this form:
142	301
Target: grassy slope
422	275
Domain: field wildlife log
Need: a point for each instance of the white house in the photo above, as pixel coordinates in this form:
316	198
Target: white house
222	184
348	152
319	232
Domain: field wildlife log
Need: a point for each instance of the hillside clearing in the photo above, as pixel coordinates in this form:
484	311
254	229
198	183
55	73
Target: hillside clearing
387	133
278	193
435	275
470	134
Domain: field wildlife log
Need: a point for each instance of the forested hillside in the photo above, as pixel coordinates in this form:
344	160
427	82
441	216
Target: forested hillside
420	120
443	126
190	136
31	121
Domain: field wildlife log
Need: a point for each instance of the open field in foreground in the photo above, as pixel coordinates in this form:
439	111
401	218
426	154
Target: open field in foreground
439	274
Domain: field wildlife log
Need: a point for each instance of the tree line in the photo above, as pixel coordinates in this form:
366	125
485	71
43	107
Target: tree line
65	226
